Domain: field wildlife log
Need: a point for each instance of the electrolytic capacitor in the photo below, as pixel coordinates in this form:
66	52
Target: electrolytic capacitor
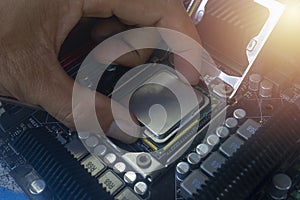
266	89
141	188
213	140
83	135
281	183
120	167
231	123
194	160
254	80
100	150
182	170
110	158
222	132
202	150
37	186
92	141
239	114
130	177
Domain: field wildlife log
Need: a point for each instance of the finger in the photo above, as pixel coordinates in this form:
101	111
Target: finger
187	69
133	58
124	124
89	106
107	27
128	42
55	96
168	14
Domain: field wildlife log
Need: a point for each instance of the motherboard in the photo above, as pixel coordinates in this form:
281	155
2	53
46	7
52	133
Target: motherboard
237	138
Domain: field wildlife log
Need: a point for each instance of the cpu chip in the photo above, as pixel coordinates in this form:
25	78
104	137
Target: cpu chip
163	104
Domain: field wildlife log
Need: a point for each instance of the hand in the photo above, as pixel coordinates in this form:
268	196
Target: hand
32	32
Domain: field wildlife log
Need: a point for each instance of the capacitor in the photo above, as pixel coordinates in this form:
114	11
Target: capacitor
239	114
100	150
83	135
281	183
213	140
254	80
141	188
92	141
231	123
182	170
130	177
266	89
110	158
119	167
202	149
222	132
194	160
37	186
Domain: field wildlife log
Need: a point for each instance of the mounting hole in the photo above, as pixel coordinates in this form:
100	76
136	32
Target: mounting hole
143	160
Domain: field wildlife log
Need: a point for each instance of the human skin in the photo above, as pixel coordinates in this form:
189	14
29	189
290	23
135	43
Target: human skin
32	32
